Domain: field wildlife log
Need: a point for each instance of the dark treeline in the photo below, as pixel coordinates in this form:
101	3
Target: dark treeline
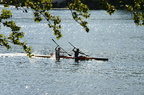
92	4
97	4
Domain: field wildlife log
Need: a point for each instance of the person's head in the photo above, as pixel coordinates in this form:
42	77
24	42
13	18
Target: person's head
59	48
77	49
51	54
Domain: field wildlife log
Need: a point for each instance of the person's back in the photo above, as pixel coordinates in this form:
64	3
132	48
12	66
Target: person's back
76	54
57	53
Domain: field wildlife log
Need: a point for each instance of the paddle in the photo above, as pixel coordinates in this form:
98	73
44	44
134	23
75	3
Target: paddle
61	47
75	47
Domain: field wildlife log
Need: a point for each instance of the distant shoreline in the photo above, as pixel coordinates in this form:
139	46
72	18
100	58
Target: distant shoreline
52	8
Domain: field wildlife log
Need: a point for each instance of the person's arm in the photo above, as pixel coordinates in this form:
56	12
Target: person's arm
56	47
81	52
73	49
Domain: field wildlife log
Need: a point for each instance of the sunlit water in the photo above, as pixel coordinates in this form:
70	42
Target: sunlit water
114	37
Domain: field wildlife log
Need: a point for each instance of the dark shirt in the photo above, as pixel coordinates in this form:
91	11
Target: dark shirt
76	54
57	54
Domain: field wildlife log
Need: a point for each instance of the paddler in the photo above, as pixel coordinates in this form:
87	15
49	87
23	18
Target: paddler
76	53
57	52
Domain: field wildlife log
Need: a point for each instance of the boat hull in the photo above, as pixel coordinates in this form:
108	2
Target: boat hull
79	58
85	58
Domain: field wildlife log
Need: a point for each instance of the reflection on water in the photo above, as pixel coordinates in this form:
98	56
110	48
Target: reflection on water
114	37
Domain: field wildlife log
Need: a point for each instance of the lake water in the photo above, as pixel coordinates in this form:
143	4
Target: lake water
115	37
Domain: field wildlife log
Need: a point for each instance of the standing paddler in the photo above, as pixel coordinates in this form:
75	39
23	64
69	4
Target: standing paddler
58	51
76	53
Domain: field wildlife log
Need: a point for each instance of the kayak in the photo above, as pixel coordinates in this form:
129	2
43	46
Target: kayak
79	58
85	58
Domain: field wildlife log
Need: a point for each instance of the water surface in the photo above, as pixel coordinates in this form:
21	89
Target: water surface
115	37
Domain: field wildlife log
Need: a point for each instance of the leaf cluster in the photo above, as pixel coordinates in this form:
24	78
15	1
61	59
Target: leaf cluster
107	6
15	35
41	12
137	8
79	12
5	14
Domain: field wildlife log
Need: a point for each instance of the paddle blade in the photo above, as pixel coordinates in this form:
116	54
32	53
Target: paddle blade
69	54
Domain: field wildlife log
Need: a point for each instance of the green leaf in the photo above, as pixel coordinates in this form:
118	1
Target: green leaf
6	5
